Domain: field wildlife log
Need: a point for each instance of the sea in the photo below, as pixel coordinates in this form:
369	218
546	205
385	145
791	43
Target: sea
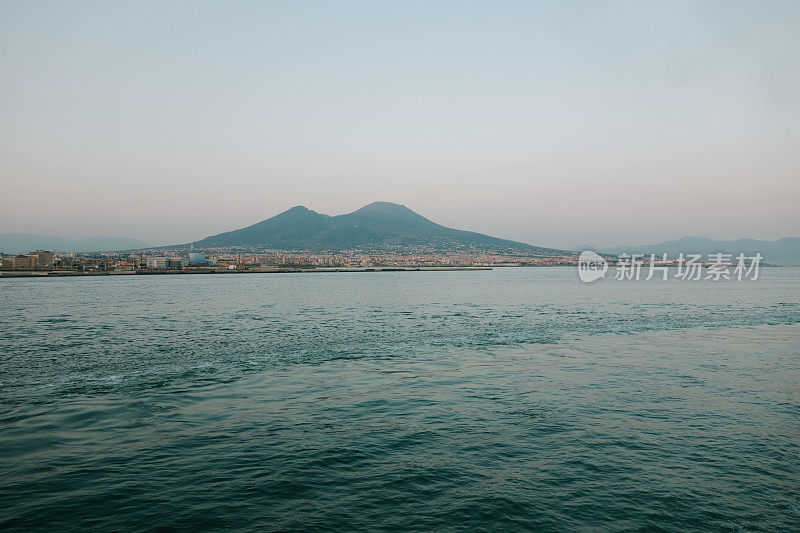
511	399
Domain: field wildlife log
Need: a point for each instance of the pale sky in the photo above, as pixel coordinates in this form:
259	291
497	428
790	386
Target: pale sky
555	123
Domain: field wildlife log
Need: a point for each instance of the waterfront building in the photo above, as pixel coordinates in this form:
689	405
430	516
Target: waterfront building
45	258
157	263
20	262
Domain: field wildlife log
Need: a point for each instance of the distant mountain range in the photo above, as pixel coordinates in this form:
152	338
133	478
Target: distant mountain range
14	243
782	251
377	225
382	225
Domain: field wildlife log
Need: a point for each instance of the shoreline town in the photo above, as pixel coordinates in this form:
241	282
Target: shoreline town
182	261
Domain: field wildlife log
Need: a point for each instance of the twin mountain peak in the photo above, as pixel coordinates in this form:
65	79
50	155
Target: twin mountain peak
377	225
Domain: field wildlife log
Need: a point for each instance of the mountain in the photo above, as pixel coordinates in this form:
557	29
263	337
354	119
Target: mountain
782	251
376	225
13	243
108	244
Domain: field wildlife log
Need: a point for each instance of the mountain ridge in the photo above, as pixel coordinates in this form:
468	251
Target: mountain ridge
13	243
784	250
375	225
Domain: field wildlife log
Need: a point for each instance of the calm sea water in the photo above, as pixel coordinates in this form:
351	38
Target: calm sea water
493	400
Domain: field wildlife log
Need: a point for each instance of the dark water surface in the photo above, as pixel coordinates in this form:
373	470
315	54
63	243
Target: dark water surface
490	400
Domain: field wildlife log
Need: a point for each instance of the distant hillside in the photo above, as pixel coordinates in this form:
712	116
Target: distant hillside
782	251
14	243
376	225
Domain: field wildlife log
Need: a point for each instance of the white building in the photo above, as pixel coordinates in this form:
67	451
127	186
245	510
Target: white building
157	262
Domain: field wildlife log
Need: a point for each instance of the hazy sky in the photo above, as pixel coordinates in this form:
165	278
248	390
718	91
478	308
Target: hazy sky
555	123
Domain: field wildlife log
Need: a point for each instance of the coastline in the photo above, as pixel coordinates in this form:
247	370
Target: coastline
67	273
